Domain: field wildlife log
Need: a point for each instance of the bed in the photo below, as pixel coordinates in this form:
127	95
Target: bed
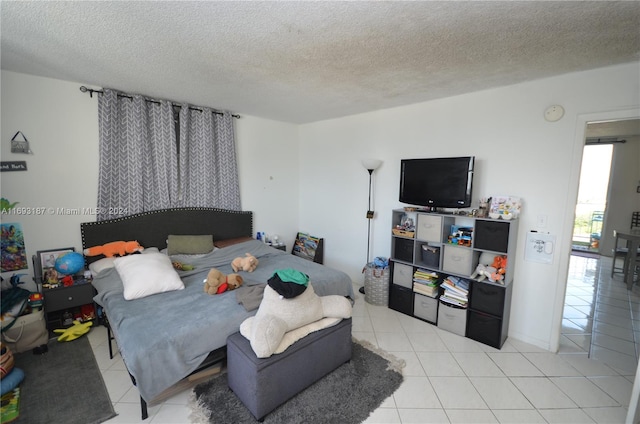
165	337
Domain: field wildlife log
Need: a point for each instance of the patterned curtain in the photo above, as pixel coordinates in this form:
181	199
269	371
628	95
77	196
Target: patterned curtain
138	158
208	167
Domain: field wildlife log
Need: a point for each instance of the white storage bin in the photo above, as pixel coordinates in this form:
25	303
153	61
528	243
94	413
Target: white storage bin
429	228
403	275
457	259
452	319
425	307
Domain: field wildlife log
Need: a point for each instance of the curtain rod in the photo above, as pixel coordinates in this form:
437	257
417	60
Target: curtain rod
603	140
91	91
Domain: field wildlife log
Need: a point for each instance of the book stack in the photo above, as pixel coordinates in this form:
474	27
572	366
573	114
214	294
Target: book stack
456	291
425	282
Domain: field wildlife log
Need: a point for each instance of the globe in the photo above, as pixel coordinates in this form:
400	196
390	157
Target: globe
69	263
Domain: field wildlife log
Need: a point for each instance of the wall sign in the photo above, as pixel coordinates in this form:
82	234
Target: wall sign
539	247
18	165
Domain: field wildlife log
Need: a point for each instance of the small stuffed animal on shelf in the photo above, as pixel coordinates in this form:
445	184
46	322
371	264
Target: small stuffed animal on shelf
494	271
217	282
500	266
248	264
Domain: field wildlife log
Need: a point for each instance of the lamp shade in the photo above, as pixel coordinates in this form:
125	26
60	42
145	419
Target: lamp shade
371	164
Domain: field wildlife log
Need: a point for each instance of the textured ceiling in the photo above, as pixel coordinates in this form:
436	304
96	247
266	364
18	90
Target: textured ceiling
307	61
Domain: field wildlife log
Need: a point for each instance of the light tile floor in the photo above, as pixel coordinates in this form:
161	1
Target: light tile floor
452	379
601	316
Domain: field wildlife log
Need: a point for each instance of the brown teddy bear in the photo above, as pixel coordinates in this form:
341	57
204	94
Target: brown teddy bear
248	263
217	282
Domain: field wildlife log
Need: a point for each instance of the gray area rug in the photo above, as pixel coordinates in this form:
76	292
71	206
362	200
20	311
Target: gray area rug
63	385
347	395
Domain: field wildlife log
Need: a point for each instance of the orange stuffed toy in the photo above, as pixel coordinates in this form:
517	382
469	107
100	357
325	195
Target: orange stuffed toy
500	265
114	248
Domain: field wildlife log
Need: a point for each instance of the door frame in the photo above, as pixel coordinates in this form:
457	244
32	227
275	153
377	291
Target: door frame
569	214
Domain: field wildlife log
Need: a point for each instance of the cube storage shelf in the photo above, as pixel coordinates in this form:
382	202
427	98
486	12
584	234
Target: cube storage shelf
486	318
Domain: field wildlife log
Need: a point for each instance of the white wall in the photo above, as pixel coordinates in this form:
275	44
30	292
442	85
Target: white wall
268	165
517	153
61	125
310	178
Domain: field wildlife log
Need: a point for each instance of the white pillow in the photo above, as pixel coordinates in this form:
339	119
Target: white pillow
100	265
144	275
106	263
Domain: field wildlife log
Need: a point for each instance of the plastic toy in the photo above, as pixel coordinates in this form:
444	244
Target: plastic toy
36	301
87	312
67	281
13	282
51	278
77	330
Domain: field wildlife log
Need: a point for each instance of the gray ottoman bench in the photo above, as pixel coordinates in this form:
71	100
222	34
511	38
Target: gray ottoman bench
263	384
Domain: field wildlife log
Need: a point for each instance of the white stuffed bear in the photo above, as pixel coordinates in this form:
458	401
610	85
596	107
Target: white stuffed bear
278	316
484	269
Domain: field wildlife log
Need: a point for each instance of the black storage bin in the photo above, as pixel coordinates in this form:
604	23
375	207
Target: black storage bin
487	298
403	249
430	255
491	235
485	329
401	299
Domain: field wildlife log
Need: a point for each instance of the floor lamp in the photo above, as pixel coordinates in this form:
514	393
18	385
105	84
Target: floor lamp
370	165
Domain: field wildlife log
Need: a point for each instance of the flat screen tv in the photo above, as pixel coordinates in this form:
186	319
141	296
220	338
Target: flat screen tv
437	182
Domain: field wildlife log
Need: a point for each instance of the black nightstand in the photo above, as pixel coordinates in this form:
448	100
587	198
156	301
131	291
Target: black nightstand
61	299
282	247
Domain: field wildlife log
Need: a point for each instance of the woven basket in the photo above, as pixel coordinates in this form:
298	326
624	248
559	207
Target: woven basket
6	361
376	285
403	233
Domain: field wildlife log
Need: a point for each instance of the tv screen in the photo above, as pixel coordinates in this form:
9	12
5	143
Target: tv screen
437	182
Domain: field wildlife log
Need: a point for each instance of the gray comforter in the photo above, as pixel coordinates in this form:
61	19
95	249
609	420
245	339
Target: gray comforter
164	337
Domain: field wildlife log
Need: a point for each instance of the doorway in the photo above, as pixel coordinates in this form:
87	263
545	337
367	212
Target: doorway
625	185
594	318
592	198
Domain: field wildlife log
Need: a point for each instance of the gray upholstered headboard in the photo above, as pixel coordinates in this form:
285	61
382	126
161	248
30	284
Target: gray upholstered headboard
151	229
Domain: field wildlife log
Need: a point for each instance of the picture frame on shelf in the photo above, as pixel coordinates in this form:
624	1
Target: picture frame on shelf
45	263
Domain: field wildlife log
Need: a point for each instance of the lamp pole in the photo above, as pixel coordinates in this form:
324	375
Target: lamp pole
370	165
369	218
